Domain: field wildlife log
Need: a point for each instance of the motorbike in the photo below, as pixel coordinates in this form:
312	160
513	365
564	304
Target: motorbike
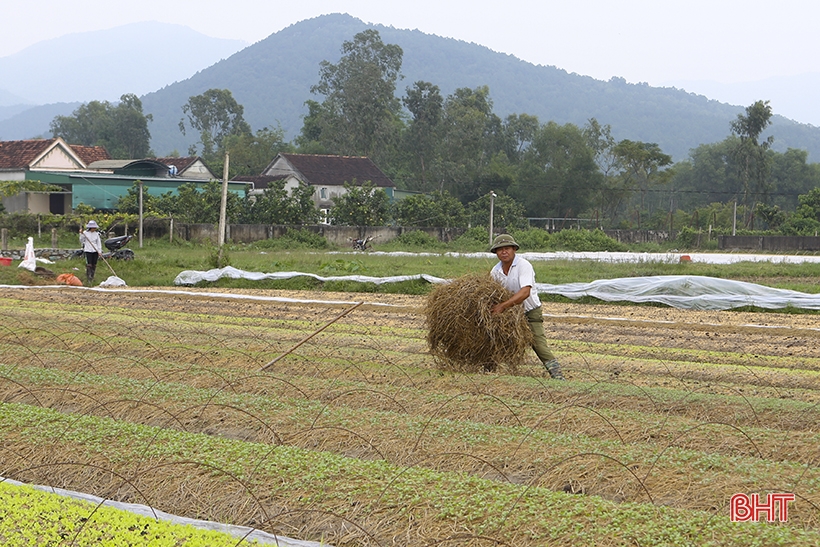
116	248
361	244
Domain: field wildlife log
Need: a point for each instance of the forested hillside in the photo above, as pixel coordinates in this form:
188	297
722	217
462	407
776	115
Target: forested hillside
460	124
272	79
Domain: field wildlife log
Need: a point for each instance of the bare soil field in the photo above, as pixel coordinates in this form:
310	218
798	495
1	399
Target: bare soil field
663	408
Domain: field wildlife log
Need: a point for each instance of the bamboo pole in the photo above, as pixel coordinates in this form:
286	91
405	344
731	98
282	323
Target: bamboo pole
348	310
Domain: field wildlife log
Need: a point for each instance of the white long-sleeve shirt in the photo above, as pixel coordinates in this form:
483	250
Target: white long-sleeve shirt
91	241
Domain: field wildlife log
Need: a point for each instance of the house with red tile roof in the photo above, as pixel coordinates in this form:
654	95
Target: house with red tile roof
19	157
26	159
328	174
88	175
90	154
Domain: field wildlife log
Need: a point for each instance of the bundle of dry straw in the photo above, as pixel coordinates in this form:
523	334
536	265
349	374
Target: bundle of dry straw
462	333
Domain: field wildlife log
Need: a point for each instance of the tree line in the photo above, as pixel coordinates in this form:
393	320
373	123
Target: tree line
454	151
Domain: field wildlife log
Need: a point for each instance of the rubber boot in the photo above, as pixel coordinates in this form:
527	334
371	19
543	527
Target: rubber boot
554	369
89	273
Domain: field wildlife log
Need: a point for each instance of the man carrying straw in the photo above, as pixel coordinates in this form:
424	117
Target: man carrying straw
518	276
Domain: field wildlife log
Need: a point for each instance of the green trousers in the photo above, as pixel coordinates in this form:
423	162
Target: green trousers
535	319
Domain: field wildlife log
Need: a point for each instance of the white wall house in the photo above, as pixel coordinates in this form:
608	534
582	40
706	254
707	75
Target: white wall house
328	174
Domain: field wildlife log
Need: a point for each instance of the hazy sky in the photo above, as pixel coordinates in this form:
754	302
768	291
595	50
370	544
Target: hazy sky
660	42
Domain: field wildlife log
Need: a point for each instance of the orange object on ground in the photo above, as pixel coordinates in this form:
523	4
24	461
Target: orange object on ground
69	279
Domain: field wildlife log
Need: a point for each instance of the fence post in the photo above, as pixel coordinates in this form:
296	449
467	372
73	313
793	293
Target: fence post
54	238
4	235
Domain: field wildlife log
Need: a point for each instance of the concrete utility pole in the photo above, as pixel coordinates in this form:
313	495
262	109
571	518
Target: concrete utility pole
734	219
140	228
492	205
223	206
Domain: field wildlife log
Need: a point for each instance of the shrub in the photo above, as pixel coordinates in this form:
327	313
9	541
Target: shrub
19	224
294	239
533	239
474	239
217	257
585	240
305	238
687	237
800	226
417	239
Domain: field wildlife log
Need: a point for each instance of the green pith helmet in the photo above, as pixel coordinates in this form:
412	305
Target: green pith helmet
504	240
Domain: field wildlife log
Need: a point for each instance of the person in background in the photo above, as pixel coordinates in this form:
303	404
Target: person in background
91	242
518	276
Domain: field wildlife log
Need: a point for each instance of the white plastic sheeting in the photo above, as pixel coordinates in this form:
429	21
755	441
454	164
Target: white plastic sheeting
112	282
679	291
191	277
686	291
29	262
251	534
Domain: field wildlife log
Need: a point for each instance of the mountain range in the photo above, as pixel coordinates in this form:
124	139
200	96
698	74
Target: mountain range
103	65
272	80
